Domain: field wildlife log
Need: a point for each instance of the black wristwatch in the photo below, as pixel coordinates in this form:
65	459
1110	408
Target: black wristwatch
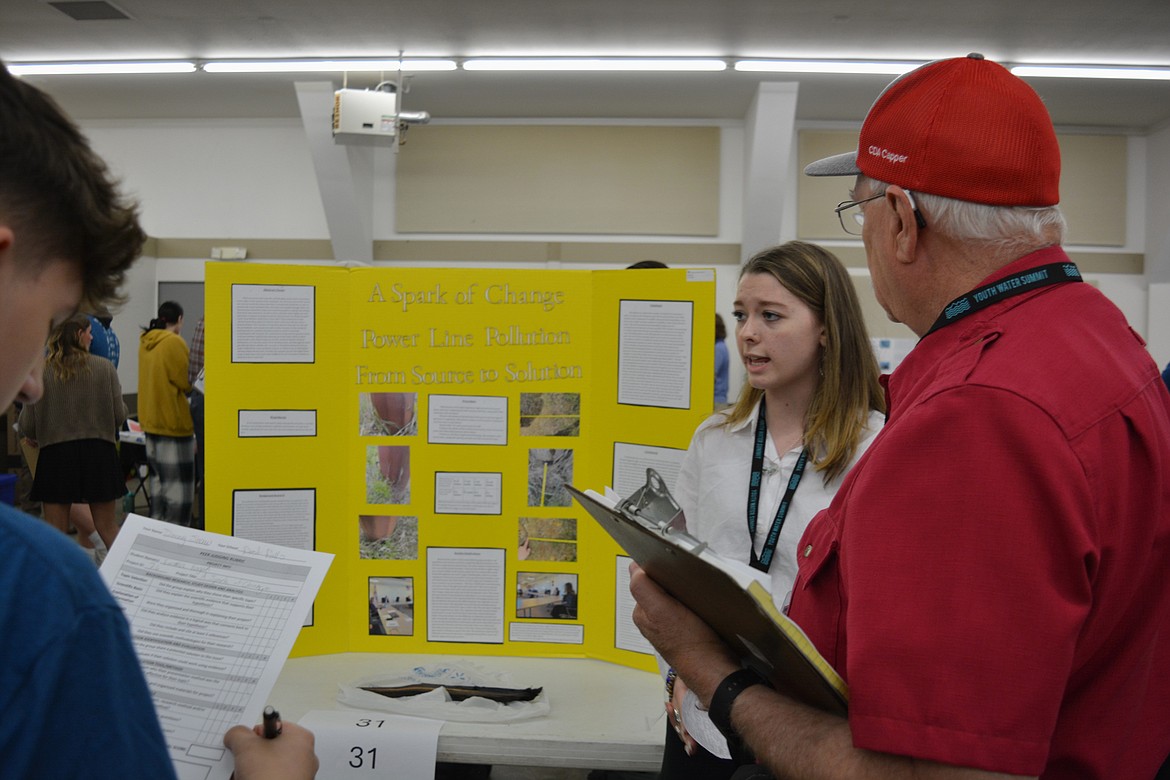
720	709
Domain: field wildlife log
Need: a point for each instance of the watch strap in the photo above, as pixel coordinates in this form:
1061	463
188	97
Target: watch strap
725	695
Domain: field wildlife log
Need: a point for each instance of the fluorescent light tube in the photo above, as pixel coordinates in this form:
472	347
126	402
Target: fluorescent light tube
1092	72
825	66
594	64
314	66
87	68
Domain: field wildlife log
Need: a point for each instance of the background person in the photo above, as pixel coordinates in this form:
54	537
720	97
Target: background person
991	578
722	363
105	341
75	425
105	344
165	414
812	403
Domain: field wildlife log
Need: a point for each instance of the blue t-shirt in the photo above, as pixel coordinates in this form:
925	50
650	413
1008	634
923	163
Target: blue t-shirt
721	366
74	698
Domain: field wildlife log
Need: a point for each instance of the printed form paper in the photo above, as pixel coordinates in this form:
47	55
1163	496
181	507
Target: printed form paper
213	619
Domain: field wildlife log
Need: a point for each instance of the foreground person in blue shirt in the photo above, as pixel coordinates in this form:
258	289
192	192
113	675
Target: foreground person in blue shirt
74	698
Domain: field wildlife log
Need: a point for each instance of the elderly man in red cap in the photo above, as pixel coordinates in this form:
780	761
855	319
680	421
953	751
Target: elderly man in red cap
992	578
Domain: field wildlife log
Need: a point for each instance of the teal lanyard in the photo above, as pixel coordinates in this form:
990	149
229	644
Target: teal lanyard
763	561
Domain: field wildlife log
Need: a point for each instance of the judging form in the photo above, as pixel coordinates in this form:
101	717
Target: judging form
213	619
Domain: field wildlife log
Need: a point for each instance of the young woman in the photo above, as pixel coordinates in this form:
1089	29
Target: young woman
165	414
810	407
75	426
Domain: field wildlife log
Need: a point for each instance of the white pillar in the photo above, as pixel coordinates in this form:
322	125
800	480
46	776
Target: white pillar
345	176
1157	245
769	137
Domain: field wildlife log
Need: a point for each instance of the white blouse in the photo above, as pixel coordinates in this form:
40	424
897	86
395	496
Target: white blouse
712	489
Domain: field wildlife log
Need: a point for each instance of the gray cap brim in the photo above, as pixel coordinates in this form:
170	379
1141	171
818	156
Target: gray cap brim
837	165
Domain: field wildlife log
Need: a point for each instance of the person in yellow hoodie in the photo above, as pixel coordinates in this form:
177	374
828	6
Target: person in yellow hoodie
165	415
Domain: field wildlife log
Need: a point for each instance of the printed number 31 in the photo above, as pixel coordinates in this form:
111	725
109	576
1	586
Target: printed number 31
359	757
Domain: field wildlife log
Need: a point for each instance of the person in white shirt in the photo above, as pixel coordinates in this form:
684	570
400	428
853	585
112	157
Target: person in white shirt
810	407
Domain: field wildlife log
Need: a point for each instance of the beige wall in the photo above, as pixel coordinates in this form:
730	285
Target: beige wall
559	179
1092	185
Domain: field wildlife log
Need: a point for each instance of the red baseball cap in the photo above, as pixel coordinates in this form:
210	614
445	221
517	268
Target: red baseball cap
963	128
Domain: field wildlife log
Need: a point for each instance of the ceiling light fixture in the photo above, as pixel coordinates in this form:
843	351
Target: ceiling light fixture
825	66
1092	72
90	68
615	64
317	66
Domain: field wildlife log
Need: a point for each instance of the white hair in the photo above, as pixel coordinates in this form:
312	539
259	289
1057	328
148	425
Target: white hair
1010	229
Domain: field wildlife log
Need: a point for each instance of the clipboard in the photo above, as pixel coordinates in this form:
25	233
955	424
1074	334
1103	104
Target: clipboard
648	526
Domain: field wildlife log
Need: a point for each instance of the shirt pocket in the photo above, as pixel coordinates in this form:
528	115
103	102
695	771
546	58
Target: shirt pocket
817	603
816	557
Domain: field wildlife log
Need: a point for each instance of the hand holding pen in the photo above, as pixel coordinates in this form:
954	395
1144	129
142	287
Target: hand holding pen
260	756
272	724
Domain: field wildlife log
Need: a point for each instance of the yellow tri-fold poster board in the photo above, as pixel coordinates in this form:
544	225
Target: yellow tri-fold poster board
421	424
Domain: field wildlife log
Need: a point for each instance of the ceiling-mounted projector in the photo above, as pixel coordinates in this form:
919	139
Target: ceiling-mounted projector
370	115
364	114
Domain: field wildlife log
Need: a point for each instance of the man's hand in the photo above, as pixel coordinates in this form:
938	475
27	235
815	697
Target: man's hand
287	757
687	643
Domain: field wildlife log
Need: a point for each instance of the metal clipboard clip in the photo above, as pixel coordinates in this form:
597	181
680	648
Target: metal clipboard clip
653	505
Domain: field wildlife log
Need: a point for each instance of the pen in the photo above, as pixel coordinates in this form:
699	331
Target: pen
272	725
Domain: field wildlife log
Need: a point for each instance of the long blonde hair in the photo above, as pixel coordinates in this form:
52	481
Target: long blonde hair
66	358
848	387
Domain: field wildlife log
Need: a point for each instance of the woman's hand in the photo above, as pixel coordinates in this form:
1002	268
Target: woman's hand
674	715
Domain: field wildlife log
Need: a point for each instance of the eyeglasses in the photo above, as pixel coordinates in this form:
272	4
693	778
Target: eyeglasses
856	220
850	214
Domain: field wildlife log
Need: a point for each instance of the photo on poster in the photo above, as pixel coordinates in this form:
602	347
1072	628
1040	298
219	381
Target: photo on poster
387	475
387	538
549	471
391	606
544	595
550	414
547	539
387	414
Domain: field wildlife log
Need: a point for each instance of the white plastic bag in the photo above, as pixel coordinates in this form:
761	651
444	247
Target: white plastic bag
437	704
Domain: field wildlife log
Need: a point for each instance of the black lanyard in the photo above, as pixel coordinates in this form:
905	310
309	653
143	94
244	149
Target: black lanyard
763	561
1033	278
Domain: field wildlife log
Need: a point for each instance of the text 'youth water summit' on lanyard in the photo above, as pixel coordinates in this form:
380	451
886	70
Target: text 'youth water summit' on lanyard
763	561
1024	281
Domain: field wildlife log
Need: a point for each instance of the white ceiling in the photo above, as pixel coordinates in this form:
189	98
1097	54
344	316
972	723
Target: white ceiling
1014	31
